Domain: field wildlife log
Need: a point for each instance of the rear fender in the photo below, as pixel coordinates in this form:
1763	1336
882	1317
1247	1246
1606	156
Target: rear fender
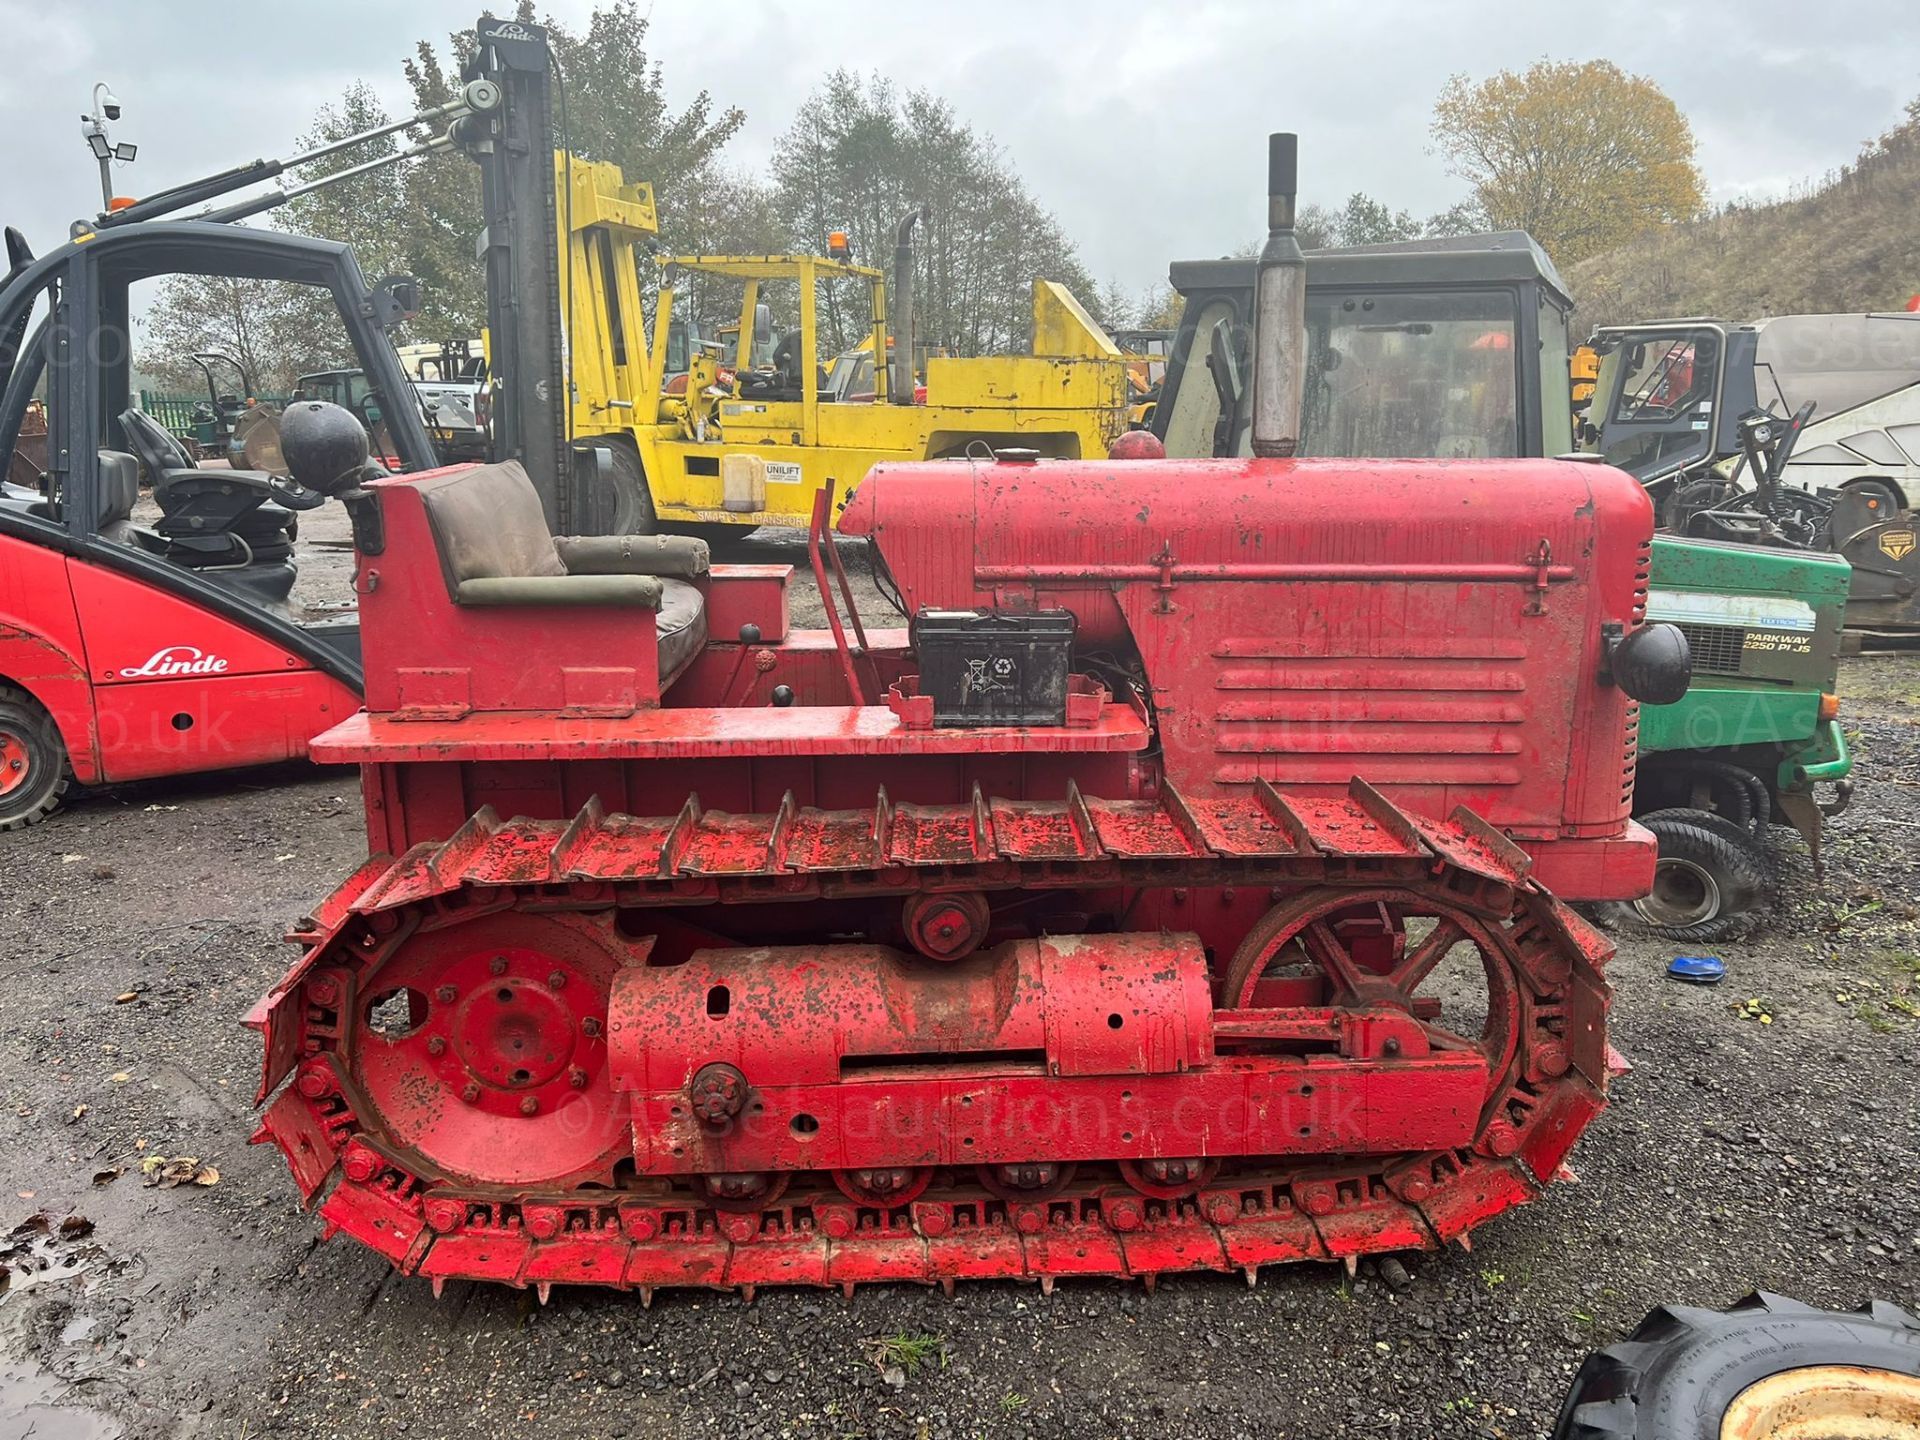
57	681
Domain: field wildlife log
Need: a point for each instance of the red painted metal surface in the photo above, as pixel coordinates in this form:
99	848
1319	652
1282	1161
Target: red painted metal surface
729	992
1434	626
683	734
755	595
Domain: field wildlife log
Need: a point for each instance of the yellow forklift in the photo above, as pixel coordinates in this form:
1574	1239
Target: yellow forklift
757	430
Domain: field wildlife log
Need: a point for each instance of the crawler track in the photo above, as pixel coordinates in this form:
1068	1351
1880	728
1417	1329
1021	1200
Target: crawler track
481	1068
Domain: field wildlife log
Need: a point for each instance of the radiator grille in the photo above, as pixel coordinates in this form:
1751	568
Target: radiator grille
1717	649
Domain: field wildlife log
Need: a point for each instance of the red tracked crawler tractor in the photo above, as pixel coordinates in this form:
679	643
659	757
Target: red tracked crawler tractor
785	972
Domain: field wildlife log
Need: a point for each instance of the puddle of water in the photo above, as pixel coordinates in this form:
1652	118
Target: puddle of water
29	1405
41	1251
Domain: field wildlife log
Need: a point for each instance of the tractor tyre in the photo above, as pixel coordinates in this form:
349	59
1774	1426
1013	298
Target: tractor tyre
34	773
1712	881
618	501
1769	1367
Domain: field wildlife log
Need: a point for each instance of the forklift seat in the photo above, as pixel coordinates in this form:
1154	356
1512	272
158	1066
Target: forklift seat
119	490
495	549
211	518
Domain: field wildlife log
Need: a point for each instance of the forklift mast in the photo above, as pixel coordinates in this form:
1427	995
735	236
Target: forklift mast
503	119
513	144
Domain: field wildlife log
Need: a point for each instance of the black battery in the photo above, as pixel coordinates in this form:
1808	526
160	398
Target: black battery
995	667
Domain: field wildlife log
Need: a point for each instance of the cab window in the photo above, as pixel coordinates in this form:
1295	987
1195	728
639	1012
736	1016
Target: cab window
1421	376
1660	416
26	421
1194	416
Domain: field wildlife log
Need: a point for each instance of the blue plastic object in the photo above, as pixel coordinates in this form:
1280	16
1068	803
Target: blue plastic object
1698	969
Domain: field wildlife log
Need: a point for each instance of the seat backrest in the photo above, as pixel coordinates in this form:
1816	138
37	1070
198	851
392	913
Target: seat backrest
119	486
153	443
488	525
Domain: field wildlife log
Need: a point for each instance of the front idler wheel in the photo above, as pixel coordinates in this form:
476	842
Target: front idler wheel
481	1048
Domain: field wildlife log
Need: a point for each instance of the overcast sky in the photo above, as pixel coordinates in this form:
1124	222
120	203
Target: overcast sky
1140	125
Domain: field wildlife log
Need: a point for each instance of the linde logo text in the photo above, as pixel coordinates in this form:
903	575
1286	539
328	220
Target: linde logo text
176	660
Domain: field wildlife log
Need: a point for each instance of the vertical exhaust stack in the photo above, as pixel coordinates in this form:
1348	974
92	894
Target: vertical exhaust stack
1280	312
900	323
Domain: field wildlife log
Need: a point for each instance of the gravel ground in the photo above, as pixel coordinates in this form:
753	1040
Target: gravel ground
137	926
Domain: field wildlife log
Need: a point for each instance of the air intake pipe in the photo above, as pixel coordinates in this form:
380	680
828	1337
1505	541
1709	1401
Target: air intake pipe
1280	311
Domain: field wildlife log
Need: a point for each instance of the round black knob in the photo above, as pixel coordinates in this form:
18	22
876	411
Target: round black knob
749	634
783	695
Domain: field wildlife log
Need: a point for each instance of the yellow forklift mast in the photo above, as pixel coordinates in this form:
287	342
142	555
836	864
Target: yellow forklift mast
746	444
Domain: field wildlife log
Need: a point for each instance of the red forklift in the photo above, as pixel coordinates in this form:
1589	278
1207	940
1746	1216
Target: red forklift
130	651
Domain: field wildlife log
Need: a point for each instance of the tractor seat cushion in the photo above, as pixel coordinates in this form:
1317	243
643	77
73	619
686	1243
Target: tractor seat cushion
495	549
678	555
681	624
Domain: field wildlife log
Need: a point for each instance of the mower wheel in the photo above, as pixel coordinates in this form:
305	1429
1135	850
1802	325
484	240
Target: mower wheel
33	761
1769	1367
1712	880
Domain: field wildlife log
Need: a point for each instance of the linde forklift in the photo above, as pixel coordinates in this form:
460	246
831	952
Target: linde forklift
131	651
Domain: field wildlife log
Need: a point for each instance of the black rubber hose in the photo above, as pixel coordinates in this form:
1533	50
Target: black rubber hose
1758	803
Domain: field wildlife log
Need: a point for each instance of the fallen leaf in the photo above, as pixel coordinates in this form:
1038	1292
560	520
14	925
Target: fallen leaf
107	1177
126	997
120	1077
165	1172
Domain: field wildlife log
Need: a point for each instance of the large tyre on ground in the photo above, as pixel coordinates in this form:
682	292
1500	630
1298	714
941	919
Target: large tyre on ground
1769	1367
1713	880
615	493
33	761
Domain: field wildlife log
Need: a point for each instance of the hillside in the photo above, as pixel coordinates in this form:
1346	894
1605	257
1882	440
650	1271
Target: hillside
1853	243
